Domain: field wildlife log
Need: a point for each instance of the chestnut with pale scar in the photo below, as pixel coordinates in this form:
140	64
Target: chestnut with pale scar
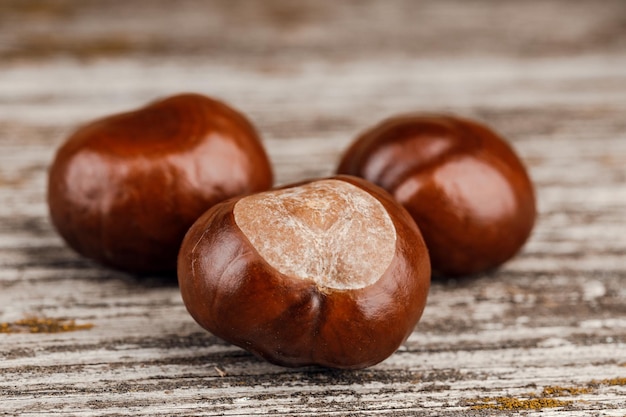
330	272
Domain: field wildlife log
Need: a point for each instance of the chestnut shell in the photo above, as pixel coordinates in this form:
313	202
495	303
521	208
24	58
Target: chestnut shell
230	290
463	184
123	190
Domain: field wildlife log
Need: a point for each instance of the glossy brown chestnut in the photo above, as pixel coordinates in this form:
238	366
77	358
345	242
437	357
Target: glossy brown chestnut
331	272
463	184
123	190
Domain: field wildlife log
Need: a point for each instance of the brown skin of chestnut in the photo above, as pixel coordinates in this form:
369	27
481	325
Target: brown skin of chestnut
123	190
466	188
230	290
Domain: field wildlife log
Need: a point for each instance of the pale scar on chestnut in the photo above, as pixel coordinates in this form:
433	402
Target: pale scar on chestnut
341	237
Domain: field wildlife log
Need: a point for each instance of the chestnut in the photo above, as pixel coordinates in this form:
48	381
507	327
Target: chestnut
124	190
466	188
331	272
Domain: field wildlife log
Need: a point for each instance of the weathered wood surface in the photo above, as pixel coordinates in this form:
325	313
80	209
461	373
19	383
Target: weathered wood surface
544	335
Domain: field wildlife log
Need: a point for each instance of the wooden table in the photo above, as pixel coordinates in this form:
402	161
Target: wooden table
544	335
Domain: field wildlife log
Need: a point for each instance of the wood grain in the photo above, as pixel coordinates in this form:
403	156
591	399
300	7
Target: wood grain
544	335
